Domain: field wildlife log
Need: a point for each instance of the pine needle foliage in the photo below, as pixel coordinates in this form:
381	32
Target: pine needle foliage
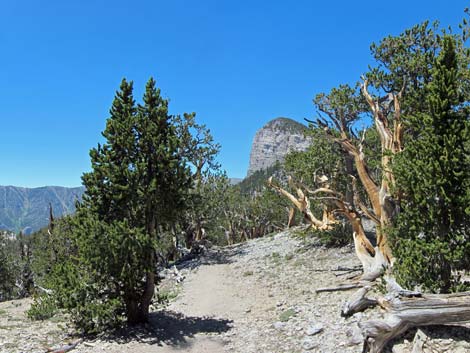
137	187
431	235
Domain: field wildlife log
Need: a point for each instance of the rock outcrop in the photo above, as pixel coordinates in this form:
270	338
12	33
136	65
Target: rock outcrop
274	140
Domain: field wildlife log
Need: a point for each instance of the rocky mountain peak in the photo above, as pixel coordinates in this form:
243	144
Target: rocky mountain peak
274	140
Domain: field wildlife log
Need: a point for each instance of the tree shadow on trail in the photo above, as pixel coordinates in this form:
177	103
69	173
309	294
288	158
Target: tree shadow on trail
172	329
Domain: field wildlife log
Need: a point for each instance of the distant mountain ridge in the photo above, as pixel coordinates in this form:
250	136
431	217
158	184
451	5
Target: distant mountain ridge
27	209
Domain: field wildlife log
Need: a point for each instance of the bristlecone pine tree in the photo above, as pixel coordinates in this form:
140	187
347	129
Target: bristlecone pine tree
137	186
431	238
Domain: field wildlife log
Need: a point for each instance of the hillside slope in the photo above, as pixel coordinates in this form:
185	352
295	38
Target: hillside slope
27	210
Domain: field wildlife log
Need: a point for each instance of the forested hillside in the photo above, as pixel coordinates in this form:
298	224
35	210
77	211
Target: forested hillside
27	209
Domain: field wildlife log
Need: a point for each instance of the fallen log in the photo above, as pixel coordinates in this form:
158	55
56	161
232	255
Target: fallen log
341	287
438	309
359	302
338	269
393	288
66	348
419	341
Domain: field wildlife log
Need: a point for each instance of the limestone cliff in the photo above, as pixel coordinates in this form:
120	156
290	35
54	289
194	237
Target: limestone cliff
274	140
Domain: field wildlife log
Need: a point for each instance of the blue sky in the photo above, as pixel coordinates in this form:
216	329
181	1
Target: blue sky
237	64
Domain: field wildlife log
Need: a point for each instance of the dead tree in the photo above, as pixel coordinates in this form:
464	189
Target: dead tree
380	205
302	203
405	313
384	110
50	227
291	219
335	203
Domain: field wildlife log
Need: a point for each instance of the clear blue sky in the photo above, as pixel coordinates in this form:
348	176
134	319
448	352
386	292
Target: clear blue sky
237	64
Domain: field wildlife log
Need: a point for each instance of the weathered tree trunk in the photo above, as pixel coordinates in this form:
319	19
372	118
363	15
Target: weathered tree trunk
188	236
391	138
302	203
147	296
364	249
138	308
291	220
358	302
132	311
439	309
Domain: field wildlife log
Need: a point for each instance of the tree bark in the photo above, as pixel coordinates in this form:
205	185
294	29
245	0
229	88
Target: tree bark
137	310
147	296
359	302
132	312
302	203
439	309
291	220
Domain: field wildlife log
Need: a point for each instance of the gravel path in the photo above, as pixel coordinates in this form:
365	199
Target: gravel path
256	297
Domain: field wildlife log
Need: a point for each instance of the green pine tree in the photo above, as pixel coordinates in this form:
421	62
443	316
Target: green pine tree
136	189
433	173
109	185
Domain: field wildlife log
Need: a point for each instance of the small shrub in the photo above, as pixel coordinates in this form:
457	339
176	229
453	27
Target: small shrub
289	256
43	308
276	258
163	296
286	315
340	235
98	315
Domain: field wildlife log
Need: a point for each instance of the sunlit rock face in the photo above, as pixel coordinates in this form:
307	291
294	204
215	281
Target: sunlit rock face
274	140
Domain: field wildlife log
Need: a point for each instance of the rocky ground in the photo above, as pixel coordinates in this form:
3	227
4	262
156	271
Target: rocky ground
253	297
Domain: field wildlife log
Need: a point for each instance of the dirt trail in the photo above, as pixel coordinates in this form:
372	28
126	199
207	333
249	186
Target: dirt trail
208	294
211	301
256	297
214	292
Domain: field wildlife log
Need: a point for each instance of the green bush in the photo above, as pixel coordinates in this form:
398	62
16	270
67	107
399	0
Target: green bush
164	296
286	315
43	307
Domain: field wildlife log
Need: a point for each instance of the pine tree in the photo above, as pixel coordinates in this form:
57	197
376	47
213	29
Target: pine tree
137	187
433	173
109	185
